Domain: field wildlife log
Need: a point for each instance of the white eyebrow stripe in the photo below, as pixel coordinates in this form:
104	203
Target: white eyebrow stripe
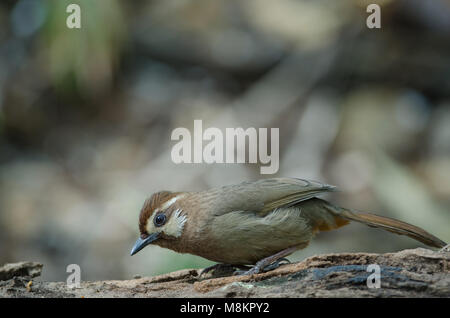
171	201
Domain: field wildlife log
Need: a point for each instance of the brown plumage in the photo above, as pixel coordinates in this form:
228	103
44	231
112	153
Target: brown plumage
252	222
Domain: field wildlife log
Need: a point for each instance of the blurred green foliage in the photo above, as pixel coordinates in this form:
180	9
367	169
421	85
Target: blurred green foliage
83	60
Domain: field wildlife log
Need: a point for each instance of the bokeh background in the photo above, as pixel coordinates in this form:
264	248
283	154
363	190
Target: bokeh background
86	117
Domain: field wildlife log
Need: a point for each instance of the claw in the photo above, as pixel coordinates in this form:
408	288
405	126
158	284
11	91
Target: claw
207	269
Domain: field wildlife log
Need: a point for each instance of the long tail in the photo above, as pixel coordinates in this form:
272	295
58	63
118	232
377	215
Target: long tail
391	225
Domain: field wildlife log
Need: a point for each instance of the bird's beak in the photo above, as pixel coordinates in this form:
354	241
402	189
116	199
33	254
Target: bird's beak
141	243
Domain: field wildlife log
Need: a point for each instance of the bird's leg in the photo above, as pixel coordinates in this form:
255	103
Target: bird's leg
225	267
271	262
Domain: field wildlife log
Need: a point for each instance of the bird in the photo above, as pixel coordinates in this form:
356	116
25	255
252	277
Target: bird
253	223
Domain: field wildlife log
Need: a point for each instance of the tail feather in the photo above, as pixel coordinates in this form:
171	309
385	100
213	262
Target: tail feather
391	225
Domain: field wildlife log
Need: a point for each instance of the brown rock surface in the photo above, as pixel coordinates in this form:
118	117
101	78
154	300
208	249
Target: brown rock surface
409	273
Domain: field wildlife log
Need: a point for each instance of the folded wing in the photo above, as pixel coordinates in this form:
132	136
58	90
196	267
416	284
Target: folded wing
265	195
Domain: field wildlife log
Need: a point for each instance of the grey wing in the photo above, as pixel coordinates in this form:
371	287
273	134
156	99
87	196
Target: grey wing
265	195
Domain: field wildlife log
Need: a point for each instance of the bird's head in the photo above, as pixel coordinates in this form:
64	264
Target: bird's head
160	219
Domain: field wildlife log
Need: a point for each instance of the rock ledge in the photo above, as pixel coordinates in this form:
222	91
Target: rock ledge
409	273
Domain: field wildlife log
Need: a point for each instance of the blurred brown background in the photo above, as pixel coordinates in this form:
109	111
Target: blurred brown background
86	117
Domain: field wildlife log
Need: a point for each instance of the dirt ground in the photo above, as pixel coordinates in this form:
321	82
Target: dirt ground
409	273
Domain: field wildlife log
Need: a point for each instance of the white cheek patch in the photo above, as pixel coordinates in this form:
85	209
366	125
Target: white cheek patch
176	224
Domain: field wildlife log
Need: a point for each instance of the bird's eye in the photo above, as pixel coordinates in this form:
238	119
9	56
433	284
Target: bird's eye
160	219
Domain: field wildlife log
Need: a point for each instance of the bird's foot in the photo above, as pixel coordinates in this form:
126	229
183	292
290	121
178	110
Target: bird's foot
262	267
223	268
